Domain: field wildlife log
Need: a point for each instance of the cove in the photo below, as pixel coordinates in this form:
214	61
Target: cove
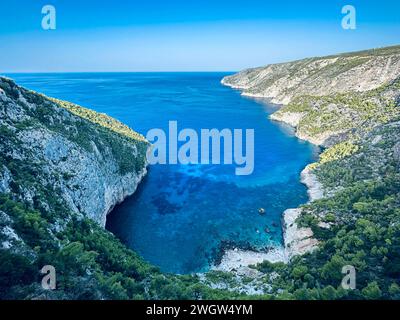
183	216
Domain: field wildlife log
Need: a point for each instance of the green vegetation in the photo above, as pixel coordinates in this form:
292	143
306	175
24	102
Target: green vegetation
90	263
364	220
358	224
100	119
341	112
96	130
338	151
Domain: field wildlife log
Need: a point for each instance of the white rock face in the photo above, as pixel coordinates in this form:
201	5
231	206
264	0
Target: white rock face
11	236
5	178
291	118
71	155
282	82
239	260
101	186
297	240
314	187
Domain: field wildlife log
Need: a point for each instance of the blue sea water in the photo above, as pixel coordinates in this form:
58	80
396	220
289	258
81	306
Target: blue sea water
183	216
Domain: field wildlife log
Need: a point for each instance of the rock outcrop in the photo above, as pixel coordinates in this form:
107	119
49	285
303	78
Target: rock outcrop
55	153
298	240
326	99
330	101
320	76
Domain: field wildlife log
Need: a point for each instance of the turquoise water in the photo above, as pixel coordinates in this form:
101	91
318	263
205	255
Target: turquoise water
183	216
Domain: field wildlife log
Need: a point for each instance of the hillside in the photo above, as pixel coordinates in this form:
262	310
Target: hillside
320	76
349	104
62	169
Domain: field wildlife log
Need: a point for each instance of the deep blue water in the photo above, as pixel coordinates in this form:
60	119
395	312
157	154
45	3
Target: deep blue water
183	215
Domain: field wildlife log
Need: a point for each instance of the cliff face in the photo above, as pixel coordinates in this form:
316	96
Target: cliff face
326	98
320	76
55	154
299	240
62	169
339	102
351	105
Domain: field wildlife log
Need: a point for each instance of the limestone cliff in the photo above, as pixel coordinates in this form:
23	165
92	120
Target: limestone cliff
55	154
299	240
62	169
320	76
334	101
326	98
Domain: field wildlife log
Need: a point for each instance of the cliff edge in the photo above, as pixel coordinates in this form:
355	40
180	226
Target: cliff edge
57	154
326	98
338	102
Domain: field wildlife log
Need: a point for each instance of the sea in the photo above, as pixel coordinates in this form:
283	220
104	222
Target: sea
184	216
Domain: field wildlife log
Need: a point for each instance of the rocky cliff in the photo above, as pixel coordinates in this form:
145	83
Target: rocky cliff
62	169
56	154
320	76
333	101
325	98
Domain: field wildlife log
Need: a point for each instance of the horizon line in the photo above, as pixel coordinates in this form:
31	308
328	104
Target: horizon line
161	71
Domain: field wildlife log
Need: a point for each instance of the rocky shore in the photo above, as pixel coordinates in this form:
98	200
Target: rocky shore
319	97
296	240
239	260
348	104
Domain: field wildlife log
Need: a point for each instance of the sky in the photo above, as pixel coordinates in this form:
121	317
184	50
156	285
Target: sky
175	35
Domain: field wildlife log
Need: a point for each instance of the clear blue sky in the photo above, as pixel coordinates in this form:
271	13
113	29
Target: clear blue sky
172	35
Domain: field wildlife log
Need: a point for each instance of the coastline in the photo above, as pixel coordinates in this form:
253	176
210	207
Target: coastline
296	240
239	260
113	200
